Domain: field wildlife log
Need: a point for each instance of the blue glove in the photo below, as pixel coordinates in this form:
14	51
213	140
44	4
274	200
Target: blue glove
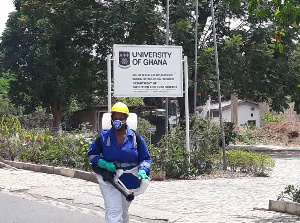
143	175
106	165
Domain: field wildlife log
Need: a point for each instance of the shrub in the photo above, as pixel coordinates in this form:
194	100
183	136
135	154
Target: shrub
37	119
290	192
251	162
247	134
11	136
171	157
268	117
143	129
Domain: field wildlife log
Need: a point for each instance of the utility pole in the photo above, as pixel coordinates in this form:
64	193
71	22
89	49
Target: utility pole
196	58
218	85
167	43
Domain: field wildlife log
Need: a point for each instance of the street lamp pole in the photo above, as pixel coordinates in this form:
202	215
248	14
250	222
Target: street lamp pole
167	43
196	58
218	84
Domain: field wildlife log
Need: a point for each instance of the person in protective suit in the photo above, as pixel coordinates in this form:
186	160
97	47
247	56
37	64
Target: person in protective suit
118	150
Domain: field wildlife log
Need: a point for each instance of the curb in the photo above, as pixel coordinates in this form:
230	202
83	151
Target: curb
265	148
285	207
68	172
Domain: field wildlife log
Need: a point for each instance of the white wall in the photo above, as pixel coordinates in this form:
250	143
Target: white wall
244	114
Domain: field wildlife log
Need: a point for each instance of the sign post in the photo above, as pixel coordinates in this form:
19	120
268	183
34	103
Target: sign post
149	71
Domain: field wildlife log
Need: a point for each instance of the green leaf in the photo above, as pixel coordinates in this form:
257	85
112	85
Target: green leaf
280	47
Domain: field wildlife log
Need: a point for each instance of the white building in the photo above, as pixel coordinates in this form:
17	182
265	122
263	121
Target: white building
246	112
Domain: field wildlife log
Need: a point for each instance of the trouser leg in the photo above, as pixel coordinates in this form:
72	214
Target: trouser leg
125	206
113	204
116	205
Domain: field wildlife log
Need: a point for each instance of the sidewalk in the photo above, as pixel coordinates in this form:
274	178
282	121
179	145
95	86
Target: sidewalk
225	200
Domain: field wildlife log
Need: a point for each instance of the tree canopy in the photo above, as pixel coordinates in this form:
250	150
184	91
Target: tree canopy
56	50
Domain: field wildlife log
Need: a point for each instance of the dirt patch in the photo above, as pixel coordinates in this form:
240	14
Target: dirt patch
278	134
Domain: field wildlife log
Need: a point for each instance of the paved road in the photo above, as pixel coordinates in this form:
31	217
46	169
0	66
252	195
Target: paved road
16	209
221	200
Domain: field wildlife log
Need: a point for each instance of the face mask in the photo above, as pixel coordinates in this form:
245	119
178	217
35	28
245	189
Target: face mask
118	125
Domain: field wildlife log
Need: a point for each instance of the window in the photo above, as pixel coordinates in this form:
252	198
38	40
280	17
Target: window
253	122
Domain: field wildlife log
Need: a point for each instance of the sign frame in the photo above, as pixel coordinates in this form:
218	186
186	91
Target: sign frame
147	71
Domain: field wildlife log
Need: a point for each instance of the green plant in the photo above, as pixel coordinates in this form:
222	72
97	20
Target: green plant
37	119
268	117
11	135
290	192
230	133
171	157
247	134
143	128
251	162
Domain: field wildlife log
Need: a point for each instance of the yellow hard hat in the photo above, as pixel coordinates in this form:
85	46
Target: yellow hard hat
120	107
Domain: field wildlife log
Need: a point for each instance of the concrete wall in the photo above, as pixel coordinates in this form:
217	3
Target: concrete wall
246	112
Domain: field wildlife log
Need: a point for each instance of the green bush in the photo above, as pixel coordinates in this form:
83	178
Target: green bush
171	157
251	162
143	129
247	134
11	136
43	146
291	193
268	117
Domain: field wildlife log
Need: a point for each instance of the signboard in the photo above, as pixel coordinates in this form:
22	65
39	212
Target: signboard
148	71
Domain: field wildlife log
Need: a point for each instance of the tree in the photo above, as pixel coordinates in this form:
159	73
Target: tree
284	15
48	45
57	49
251	64
294	64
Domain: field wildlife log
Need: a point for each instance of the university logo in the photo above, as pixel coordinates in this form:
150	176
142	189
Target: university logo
124	59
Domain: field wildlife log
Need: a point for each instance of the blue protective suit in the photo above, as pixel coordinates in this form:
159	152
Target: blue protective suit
125	157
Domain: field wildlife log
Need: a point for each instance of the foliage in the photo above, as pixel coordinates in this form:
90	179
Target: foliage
48	46
43	146
251	162
230	133
290	192
294	64
170	155
285	16
143	129
39	118
267	117
255	70
247	134
11	136
57	49
6	107
130	101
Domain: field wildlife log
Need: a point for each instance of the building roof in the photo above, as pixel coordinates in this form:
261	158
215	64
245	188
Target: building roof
227	104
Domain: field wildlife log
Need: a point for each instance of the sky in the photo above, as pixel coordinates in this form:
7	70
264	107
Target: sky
6	7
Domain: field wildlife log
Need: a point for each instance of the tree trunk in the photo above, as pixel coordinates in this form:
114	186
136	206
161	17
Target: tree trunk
57	114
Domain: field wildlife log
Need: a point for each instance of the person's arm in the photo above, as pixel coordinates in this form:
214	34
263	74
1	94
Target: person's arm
95	152
144	158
